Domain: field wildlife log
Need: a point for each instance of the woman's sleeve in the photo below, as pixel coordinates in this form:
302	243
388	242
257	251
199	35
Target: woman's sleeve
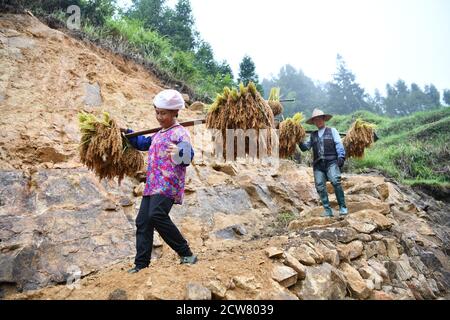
141	143
185	147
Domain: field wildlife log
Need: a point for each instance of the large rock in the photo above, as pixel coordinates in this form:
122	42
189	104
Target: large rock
305	254
246	283
93	95
285	276
322	282
304	223
381	207
218	289
280	292
421	288
375	248
391	248
58	225
231	232
400	269
222	198
273	252
379	268
371	217
344	235
197	106
227	168
330	255
350	251
370	274
356	284
362	226
195	291
292	262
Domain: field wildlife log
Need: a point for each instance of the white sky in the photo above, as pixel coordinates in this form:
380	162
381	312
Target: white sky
381	40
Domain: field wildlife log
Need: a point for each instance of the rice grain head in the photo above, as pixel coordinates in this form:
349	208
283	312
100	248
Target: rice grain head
243	109
290	135
358	138
104	150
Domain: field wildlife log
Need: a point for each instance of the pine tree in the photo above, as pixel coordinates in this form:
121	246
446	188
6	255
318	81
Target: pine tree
433	95
151	12
247	73
447	97
345	94
180	28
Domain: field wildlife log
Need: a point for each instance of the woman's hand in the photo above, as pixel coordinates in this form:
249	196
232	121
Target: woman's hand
172	149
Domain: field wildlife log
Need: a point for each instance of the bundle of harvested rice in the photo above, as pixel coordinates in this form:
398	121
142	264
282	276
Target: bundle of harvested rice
242	108
274	101
104	150
358	138
291	134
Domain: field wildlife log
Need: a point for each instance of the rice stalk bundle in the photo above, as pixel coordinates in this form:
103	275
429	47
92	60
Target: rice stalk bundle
358	138
104	150
274	101
242	108
290	135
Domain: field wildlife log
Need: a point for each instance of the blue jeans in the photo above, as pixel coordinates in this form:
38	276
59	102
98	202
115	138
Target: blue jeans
329	171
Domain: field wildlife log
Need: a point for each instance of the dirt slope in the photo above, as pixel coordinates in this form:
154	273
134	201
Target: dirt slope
57	222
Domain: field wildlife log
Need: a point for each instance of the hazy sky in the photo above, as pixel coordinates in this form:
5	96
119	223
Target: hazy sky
381	40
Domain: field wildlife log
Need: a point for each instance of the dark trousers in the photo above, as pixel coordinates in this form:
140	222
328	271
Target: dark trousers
154	214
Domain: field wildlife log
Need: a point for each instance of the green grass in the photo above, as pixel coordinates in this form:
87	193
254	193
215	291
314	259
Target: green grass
284	218
413	149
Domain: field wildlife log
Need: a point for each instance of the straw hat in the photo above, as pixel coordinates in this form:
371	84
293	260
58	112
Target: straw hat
318	113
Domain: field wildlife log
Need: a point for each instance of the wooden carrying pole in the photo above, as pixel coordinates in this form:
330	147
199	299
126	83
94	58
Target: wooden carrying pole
154	130
184	124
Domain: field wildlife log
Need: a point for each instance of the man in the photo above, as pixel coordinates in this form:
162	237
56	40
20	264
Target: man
329	157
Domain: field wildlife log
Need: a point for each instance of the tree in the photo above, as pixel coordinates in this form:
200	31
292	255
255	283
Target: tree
294	84
151	12
345	94
179	26
98	11
447	97
205	58
417	99
433	95
247	73
376	103
224	69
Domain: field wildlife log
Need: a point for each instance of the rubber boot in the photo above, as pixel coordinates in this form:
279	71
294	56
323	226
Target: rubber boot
340	197
326	204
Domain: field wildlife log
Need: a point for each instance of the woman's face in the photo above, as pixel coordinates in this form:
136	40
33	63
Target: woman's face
166	118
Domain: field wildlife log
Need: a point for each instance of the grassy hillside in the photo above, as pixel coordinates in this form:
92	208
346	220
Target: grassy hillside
413	149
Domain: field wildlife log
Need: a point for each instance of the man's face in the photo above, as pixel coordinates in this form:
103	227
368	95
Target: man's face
319	122
166	118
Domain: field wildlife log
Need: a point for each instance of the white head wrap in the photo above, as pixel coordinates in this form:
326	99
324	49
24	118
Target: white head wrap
169	100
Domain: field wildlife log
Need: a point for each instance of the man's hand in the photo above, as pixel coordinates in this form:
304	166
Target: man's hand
340	162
